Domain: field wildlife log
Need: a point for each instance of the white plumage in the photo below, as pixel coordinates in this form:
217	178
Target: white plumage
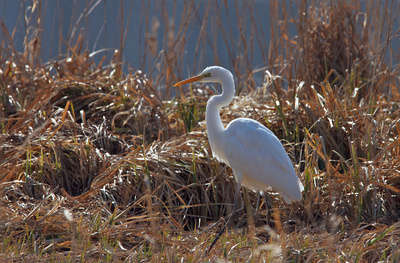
258	159
256	156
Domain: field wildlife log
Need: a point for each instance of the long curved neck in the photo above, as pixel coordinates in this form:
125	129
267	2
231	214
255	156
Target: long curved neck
215	127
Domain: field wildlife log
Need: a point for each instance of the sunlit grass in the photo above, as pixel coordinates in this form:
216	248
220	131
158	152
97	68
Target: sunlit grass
102	165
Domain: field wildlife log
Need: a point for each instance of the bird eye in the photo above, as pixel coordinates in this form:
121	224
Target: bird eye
207	75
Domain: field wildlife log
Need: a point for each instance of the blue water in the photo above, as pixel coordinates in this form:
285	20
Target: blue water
101	23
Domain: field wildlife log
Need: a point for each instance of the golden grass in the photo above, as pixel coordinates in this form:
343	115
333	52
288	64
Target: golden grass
98	164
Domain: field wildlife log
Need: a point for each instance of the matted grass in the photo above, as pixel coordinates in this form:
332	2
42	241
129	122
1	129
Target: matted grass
99	165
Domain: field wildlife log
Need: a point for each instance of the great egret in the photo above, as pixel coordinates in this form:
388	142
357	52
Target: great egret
256	156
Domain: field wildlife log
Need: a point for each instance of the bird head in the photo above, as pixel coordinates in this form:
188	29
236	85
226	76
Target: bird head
210	74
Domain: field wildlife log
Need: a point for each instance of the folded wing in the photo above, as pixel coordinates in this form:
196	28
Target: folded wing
258	159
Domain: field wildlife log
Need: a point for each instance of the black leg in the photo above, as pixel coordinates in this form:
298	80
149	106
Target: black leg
229	220
268	209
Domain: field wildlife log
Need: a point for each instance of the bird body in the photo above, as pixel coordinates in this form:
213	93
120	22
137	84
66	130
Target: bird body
256	156
258	159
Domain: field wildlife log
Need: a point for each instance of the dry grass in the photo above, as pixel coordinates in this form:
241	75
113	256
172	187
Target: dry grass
98	164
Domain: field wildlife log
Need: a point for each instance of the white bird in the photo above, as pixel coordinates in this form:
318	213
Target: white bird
256	156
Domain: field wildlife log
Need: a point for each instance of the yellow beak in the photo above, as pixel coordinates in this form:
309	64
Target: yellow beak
190	80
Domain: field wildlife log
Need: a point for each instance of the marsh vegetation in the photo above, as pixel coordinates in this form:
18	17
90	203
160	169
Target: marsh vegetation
102	162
